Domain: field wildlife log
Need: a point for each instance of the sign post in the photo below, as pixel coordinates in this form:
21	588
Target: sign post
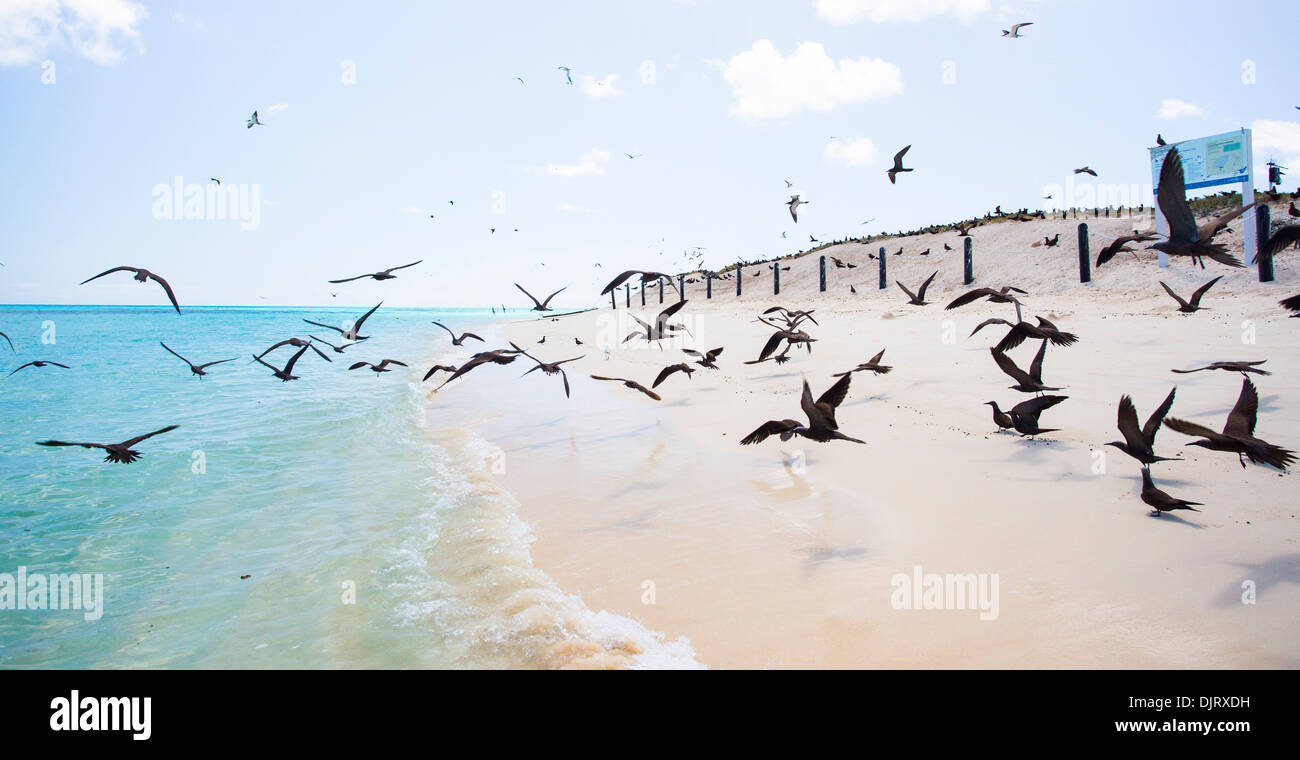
1224	159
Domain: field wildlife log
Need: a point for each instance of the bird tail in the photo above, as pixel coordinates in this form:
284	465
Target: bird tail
1266	453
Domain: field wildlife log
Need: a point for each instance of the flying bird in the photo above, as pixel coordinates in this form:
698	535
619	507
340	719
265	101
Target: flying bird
285	374
871	365
660	329
1193	305
337	349
1014	31
142	275
794	203
1023	417
455	341
1139	442
634	385
1021	331
898	164
39	364
540	305
117	452
1120	244
646	278
792	338
10	342
296	343
567	76
918	298
707	360
1085	170
549	368
387	274
1242	367
1281	240
351	333
252	121
496	356
1171	196
821	426
1026	382
195	369
1238	435
1159	501
1003	295
667	372
380	367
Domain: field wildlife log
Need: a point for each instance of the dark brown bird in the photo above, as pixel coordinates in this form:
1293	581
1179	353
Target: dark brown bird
1085	170
1238	434
821	425
377	368
117	452
1194	305
963	230
1291	304
10	342
1281	240
1030	382
1160	140
1242	367
871	365
1023	417
448	368
455	341
352	333
791	338
1022	331
646	279
667	372
634	385
1160	501
791	317
918	298
1120	244
195	369
660	329
1139	442
540	305
549	368
337	349
142	275
1206	232
1171	195
1293	211
994	296
39	364
296	343
898	164
387	274
707	360
496	356
285	374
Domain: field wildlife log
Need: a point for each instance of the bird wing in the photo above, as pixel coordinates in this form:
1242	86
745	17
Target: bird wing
553	295
969	297
771	345
898	158
358	365
614	283
986	323
288	368
909	293
356	327
170	295
715	353
69	443
1281	240
259	360
404	266
530	295
312	346
28	364
213	364
133	441
11	343
664	374
1036	366
834	395
1127	422
338	330
1171	196
1241	420
173	353
667	314
1035	406
876	359
350	279
920	294
771	427
101	274
448	329
1190	428
1009	367
1174	295
463	336
1196	297
1152	427
644	390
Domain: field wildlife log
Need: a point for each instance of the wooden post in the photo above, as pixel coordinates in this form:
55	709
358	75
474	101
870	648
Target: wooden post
776	278
643	293
661	290
881	256
968	257
708	285
1265	263
740	275
1085	264
627	295
822	273
612	303
681	287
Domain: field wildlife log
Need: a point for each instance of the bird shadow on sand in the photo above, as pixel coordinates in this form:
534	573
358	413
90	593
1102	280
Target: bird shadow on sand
1173	518
683	401
1284	568
1161	482
781	376
635	487
818	556
1267	404
883	396
641	521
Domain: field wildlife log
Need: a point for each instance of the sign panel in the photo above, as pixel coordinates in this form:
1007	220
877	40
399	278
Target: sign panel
1208	161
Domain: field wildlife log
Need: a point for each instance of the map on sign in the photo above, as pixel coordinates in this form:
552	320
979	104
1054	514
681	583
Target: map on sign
1207	161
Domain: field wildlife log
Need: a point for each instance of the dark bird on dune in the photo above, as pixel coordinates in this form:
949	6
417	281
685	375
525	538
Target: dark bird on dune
543	340
1242	367
1292	210
352	333
1085	170
540	305
337	349
646	279
1238	435
667	372
577	342
39	364
654	333
794	203
1160	140
456	341
296	343
377	368
791	317
1120	244
963	230
1023	417
1002	295
871	365
549	368
195	369
707	360
285	374
1026	382
496	356
1014	31
1022	331
634	385
1281	240
791	338
898	164
117	452
1160	501
1184	240
821	426
448	368
387	274
1193	305
142	275
1291	304
10	342
1139	442
918	298
1051	242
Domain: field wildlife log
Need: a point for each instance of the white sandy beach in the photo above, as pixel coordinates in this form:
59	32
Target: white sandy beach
782	554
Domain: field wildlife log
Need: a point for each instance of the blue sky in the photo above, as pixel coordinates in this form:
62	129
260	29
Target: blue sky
744	95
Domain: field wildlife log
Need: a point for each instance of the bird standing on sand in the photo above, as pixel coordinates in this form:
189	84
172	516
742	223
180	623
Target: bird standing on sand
1238	435
1023	417
794	203
387	274
142	275
821	426
1160	501
1139	442
871	365
117	452
1026	382
1171	196
352	333
1194	305
195	369
540	305
898	165
456	341
917	298
1242	367
39	364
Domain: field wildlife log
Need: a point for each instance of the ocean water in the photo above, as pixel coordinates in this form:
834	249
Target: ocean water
371	537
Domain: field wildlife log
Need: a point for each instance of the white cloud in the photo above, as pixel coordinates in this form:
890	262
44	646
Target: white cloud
1280	136
879	11
601	88
593	162
30	29
277	107
1173	108
859	151
768	85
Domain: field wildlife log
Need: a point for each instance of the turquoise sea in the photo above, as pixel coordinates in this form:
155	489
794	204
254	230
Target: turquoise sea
370	538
